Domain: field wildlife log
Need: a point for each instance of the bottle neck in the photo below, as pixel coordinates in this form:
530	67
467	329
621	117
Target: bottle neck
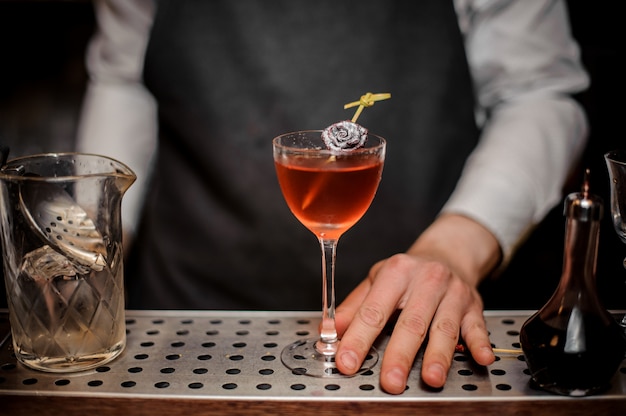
580	255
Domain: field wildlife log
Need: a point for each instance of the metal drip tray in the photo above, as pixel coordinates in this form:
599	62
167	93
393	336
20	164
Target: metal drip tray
236	355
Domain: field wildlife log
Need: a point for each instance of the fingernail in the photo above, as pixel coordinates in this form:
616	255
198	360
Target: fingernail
348	359
488	353
436	372
396	378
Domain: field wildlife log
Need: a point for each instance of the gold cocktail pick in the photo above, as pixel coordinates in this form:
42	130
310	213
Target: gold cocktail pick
464	350
366	100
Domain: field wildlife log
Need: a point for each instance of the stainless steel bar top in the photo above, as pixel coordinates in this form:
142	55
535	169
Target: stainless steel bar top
229	362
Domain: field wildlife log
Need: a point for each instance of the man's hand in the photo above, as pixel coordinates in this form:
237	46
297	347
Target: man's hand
433	286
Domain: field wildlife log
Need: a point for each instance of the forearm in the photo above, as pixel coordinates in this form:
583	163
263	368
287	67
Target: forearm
516	174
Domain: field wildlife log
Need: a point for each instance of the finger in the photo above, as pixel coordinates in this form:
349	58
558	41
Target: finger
408	335
371	316
444	334
476	337
411	328
439	351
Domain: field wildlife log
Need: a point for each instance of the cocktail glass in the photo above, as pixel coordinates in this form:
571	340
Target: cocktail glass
328	191
616	164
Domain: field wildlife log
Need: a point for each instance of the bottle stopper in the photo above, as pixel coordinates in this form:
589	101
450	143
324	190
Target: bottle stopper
583	205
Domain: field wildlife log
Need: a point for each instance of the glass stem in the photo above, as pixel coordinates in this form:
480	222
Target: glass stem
327	344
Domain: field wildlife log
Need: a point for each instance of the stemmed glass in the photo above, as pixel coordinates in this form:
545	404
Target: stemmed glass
616	164
328	191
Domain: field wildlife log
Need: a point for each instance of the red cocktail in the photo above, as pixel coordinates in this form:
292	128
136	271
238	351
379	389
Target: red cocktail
329	194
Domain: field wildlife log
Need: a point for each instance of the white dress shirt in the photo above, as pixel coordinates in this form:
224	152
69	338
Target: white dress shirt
524	65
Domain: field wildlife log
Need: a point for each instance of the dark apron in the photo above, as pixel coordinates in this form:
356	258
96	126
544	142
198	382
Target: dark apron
231	75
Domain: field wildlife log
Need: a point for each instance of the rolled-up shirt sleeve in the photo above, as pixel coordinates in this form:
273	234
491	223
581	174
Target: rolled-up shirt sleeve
119	117
525	65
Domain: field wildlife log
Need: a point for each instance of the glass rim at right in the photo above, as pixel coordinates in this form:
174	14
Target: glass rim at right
617	156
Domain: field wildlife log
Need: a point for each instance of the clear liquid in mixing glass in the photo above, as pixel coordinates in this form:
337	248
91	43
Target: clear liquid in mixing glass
66	315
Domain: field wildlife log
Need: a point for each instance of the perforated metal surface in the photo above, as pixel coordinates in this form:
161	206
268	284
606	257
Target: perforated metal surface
225	355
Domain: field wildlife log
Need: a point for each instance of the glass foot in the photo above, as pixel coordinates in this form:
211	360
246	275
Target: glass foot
302	358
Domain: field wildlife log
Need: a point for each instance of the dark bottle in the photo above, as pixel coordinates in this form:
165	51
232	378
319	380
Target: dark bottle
573	345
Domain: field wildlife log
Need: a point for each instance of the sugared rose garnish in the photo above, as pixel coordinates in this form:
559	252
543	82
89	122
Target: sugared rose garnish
344	136
347	135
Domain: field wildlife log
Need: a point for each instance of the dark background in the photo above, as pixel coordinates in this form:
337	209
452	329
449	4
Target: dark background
42	79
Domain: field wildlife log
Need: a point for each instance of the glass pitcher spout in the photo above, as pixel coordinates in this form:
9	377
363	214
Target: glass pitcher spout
124	178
